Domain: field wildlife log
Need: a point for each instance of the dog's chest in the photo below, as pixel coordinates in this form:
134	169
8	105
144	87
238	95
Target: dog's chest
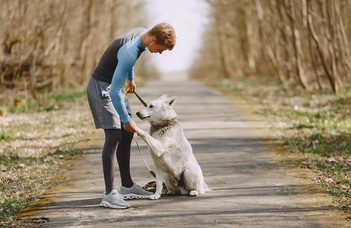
160	131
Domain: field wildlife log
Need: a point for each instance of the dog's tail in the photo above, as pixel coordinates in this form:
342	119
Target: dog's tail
206	188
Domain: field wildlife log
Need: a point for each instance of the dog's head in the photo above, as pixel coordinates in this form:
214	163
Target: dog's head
159	110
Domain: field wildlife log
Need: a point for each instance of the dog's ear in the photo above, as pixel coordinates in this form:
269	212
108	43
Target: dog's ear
171	101
163	97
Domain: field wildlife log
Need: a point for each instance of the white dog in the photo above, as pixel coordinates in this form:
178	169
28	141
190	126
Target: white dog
171	152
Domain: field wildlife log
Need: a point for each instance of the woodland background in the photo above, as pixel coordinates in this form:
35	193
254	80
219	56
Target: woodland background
47	45
305	42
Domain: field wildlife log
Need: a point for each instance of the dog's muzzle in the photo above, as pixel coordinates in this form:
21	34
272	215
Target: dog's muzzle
141	116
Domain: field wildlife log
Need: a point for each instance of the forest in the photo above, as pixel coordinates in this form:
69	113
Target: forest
49	45
305	42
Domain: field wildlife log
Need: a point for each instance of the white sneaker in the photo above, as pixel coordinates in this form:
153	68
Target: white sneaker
114	200
135	192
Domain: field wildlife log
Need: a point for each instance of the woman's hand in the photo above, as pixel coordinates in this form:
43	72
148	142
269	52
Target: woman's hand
131	86
130	127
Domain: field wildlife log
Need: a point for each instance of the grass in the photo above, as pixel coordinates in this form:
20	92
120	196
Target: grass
330	157
48	135
71	95
46	102
9	208
24	179
6	135
311	123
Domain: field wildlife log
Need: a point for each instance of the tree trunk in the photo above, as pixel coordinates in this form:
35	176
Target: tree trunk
297	46
266	44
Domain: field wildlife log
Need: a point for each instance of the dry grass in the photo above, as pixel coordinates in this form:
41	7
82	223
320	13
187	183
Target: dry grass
34	150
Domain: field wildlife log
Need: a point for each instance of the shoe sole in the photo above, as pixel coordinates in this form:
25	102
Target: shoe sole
108	205
134	196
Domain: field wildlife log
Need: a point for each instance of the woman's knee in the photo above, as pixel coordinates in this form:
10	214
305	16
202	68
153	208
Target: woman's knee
112	136
126	136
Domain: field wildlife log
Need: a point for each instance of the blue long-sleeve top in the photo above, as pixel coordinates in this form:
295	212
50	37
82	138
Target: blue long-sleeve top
116	65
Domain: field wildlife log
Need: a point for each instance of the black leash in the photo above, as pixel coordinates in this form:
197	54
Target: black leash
141	100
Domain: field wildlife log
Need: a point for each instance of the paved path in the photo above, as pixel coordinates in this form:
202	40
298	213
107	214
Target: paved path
250	186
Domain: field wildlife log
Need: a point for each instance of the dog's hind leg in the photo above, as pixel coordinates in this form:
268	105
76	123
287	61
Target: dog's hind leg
193	182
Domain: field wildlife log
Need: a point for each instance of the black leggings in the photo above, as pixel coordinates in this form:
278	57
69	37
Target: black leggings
116	140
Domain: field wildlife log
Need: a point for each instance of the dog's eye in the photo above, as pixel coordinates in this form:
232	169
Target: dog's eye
151	106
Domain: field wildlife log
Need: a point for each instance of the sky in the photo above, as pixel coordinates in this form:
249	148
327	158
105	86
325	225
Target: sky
189	18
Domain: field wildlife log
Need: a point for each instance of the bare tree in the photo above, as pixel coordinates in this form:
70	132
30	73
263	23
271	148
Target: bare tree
304	41
51	44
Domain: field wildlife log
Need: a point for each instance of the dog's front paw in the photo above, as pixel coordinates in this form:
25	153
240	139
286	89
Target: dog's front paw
139	131
155	197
